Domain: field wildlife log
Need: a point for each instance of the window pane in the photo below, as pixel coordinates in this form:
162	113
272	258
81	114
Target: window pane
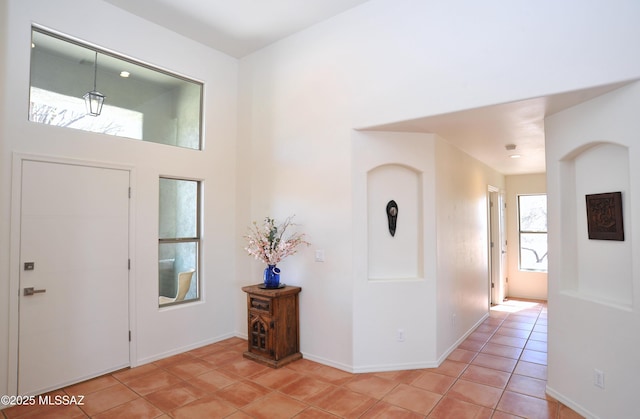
178	249
148	104
178	208
533	213
532	210
533	251
177	258
52	108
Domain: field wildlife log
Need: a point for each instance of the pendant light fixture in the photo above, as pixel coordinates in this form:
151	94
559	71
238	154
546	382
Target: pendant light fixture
94	99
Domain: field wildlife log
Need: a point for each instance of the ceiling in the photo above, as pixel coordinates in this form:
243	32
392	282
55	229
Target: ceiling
240	27
485	132
236	27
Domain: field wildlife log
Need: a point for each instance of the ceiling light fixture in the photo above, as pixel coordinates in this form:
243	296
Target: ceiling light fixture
124	74
512	147
94	99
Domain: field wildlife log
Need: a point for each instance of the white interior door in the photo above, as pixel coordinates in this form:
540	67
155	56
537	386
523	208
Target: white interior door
75	232
494	266
497	247
502	215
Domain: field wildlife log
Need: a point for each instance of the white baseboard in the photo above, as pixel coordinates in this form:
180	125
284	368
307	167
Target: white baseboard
395	367
328	362
459	341
162	355
571	404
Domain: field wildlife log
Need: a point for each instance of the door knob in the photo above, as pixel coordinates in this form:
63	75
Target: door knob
30	291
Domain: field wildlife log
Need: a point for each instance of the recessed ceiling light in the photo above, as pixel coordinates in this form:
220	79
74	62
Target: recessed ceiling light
125	74
515	156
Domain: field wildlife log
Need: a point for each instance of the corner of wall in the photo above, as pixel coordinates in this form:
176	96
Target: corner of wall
5	186
593	284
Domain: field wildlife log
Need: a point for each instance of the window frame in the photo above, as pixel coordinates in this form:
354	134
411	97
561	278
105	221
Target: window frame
93	48
197	239
521	232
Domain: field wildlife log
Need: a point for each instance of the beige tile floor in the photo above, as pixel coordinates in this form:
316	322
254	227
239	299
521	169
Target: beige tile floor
498	372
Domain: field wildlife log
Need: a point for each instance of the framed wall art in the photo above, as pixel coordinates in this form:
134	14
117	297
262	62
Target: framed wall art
604	216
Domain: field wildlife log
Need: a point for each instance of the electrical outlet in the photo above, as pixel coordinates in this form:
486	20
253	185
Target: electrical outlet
598	378
400	335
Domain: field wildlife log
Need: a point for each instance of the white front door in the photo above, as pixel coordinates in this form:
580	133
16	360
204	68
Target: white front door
74	292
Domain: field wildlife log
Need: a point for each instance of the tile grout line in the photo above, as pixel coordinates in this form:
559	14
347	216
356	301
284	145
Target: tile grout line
496	324
511	374
557	403
516	365
468	364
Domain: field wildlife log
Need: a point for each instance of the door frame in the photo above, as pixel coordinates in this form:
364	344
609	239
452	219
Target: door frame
14	254
497	231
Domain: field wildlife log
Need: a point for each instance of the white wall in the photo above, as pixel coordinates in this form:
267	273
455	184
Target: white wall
5	187
409	59
156	333
462	298
295	142
299	100
388	61
522	284
394	298
594	286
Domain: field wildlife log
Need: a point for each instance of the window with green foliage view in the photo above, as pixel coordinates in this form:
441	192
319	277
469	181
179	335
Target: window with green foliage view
532	214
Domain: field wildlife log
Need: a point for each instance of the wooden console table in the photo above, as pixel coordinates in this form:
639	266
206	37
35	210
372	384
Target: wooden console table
273	328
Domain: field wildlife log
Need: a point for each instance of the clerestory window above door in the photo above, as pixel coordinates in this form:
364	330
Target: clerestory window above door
140	102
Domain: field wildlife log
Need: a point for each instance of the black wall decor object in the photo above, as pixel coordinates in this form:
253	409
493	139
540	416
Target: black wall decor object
392	216
604	216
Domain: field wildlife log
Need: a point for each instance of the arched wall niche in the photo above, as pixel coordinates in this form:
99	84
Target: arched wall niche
596	270
397	257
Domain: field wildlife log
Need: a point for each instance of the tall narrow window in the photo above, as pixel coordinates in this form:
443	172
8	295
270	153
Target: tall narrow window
532	213
179	241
